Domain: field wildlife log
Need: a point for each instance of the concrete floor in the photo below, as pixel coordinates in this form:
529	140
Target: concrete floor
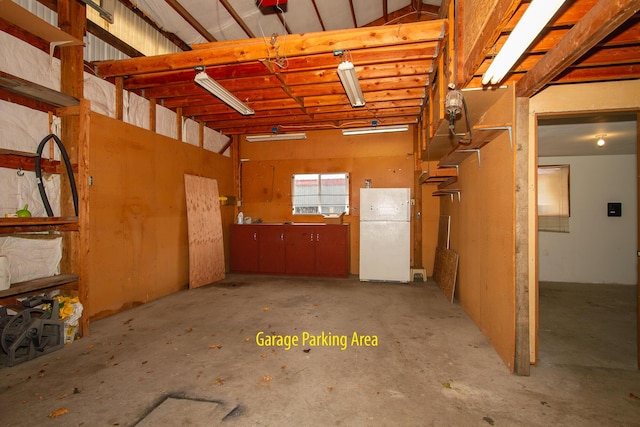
192	359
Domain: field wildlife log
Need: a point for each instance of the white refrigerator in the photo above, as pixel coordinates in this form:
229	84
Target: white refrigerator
385	215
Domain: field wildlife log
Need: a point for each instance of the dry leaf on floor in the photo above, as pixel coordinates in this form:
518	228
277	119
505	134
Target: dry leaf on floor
307	350
169	342
265	309
217	346
219	381
247	339
283	367
266	378
263	355
189	330
446	385
329	388
58	412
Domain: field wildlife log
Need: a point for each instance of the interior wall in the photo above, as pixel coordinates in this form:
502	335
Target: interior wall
138	225
483	234
598	248
266	170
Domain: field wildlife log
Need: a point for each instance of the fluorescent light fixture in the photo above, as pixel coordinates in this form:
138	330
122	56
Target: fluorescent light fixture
375	129
534	19
276	137
349	79
225	96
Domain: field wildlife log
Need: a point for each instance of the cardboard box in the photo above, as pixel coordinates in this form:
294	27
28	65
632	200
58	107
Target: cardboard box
334	219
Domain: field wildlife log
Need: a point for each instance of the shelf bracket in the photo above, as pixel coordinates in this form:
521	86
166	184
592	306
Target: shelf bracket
507	128
471	150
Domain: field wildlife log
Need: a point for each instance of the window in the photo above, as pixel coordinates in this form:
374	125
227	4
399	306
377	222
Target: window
553	198
320	193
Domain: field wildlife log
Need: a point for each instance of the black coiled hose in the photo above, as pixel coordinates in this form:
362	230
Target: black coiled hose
67	163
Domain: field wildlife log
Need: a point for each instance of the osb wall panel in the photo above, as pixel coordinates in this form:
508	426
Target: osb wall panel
138	221
483	234
386	159
474	16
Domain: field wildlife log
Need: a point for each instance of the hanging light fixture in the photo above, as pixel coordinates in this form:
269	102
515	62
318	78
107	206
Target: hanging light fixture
212	86
276	137
601	142
349	79
534	19
375	129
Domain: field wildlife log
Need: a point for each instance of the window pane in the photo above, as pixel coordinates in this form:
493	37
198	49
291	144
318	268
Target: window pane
314	194
553	198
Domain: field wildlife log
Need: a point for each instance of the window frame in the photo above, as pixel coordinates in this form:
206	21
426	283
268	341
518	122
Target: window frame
558	219
320	207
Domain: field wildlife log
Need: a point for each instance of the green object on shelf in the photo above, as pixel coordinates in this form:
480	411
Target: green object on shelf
24	212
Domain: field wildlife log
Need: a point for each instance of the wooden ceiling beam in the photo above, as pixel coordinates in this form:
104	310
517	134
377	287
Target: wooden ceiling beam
272	114
367	85
598	74
377	113
401	69
191	20
378	55
296	45
370	105
598	23
236	17
385	95
251	69
191	88
600	56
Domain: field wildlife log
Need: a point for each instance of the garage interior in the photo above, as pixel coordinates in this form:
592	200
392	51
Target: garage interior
136	122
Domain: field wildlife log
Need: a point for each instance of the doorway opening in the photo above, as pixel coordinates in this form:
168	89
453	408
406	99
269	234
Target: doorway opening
587	273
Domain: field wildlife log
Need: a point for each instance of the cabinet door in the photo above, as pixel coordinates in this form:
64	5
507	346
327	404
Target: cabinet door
300	249
243	249
271	243
332	250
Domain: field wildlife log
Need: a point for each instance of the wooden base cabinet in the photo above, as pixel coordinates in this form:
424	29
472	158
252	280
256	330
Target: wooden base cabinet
290	249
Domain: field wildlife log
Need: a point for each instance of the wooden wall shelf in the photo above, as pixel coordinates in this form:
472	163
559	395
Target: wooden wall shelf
36	285
13	159
26	225
22	18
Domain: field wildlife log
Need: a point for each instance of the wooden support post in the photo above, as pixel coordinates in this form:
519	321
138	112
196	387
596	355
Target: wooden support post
179	123
522	359
201	134
83	183
638	249
75	137
119	98
152	114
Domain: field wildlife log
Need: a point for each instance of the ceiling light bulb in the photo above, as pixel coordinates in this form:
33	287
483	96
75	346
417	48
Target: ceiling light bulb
601	142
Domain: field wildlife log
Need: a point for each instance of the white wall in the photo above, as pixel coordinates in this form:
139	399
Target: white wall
598	248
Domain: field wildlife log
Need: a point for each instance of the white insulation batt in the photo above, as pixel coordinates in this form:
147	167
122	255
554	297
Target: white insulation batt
32	257
22	129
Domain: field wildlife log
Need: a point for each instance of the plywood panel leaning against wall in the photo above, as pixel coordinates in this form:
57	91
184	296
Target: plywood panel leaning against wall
139	245
206	248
